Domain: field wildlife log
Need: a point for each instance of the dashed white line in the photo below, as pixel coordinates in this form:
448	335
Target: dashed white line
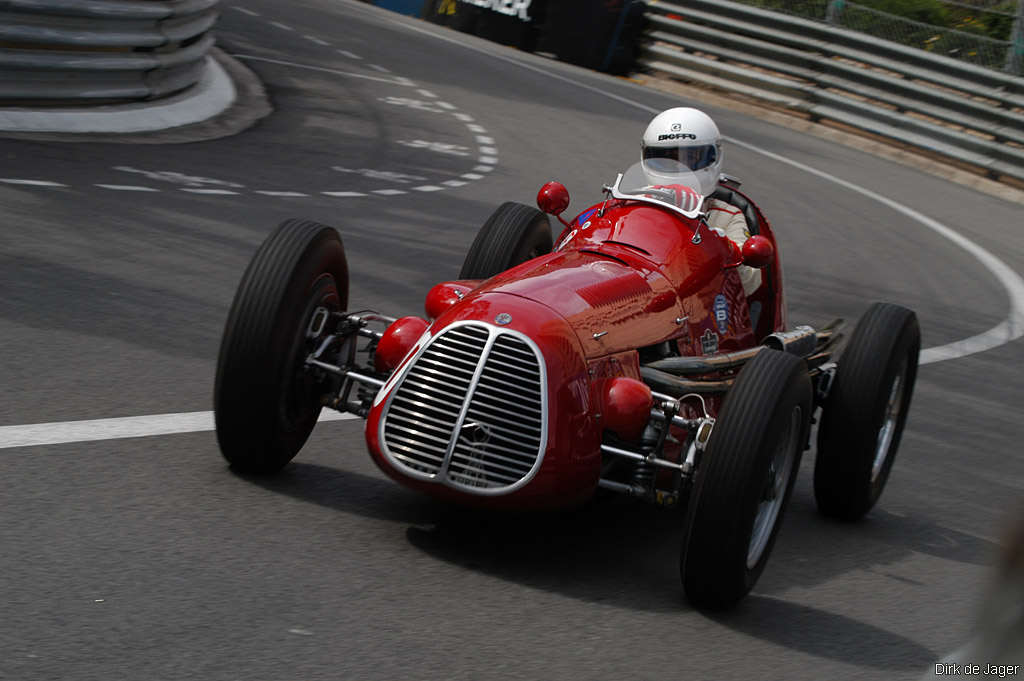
378	67
465	118
350	55
488	150
484	169
487	159
343	194
218	192
473	127
428	188
270	193
243	10
427	93
472	176
483	139
455	183
389	192
32	183
126	187
393	81
446	105
283	27
314	39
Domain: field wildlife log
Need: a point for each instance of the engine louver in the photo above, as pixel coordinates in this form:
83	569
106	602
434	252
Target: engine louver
471	410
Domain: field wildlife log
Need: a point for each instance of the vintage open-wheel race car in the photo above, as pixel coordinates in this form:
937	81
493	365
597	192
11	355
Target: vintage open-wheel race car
624	356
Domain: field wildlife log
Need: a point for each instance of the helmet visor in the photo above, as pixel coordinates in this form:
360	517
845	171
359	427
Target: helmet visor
694	157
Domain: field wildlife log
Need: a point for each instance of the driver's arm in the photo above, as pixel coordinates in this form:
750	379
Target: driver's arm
730	220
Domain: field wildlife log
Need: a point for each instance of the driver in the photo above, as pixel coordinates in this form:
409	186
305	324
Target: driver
682	145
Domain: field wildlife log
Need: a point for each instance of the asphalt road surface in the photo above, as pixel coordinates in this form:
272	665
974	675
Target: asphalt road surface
142	556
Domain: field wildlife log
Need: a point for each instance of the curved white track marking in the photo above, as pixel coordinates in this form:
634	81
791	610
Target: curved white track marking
404	82
1009	329
37	434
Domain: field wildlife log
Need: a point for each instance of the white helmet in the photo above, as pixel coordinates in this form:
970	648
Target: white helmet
682	143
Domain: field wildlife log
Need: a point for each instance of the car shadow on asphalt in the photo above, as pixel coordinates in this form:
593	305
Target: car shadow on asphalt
618	553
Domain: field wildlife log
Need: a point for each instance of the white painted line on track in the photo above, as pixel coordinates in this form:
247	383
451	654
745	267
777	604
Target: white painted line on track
350	55
283	27
380	79
270	193
126	187
314	39
65	432
245	11
219	192
32	183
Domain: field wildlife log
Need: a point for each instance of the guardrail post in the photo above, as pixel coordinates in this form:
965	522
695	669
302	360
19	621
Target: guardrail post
834	11
1015	53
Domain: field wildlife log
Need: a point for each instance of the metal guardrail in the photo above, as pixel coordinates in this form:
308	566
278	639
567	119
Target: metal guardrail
60	52
958	111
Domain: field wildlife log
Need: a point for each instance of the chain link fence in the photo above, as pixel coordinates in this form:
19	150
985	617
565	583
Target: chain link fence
988	33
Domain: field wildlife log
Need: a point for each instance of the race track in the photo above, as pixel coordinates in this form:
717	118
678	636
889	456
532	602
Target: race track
131	551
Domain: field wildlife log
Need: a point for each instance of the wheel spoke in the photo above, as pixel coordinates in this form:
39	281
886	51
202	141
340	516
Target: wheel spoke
774	494
893	409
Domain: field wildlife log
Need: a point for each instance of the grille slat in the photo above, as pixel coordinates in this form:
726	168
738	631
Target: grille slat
500	438
498	413
495	456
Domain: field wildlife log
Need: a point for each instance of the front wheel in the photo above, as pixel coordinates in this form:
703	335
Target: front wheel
863	418
265	401
744	480
512	235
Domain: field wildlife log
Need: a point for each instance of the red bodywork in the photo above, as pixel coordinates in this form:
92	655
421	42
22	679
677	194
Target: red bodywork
623	278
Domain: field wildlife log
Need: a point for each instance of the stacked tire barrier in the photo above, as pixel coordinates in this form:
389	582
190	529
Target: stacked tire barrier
597	35
956	111
86	52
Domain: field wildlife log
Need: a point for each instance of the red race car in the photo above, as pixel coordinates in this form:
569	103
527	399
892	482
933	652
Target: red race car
626	358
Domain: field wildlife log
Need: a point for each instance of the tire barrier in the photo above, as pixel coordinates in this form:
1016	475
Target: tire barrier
88	52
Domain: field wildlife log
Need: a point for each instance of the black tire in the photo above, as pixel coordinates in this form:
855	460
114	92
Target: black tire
265	402
863	417
512	235
744	480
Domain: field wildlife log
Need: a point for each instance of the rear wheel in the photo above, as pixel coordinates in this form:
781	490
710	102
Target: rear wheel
265	400
744	480
863	418
512	235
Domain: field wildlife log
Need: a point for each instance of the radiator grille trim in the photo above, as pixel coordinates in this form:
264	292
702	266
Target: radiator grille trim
469	411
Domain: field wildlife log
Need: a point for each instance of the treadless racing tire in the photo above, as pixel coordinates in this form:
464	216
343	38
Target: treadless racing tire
512	235
863	417
744	480
265	403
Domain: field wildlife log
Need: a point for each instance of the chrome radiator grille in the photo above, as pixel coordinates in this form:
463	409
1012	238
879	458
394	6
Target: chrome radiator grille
470	412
